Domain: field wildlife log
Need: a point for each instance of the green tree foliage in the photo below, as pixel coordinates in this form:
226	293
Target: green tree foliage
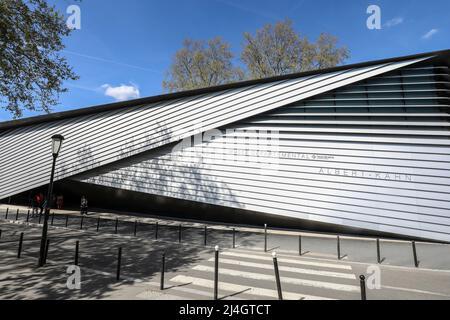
278	49
31	70
274	50
327	54
201	64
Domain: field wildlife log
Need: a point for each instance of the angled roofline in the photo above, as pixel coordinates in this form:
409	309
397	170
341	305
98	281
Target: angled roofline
442	56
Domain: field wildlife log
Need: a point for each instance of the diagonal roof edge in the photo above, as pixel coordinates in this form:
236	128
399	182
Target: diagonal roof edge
443	55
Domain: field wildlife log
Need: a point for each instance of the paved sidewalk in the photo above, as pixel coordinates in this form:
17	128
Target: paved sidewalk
245	273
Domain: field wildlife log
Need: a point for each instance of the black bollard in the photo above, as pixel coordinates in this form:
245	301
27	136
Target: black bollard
265	238
300	245
180	230
81	222
40	217
362	281
378	251
98	224
77	249
6	215
117	224
19	251
53	218
416	262
135	227
216	273
156	230
338	248
163	269
17	215
205	237
234	238
277	276
28	216
119	261
46	251
67	220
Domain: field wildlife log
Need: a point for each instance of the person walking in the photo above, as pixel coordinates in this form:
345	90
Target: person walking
84	205
42	203
59	202
34	205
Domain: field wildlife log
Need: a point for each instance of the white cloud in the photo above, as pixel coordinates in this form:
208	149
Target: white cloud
394	22
429	34
122	92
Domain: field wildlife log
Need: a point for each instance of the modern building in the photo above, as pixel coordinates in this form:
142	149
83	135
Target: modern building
363	146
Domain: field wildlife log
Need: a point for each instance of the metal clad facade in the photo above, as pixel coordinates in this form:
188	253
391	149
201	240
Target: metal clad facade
374	155
102	138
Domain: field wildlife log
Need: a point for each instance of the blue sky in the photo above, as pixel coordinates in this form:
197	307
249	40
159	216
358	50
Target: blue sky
125	47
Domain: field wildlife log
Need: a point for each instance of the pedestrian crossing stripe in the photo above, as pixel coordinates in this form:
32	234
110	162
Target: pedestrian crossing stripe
286	260
183	290
295	281
153	295
254	291
288	269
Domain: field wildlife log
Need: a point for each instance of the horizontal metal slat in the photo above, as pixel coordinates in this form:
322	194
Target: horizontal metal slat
367	114
367	122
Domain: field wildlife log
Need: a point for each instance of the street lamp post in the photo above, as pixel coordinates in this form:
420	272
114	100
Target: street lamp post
57	141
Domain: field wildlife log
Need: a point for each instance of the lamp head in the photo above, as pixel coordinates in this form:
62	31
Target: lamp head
57	141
